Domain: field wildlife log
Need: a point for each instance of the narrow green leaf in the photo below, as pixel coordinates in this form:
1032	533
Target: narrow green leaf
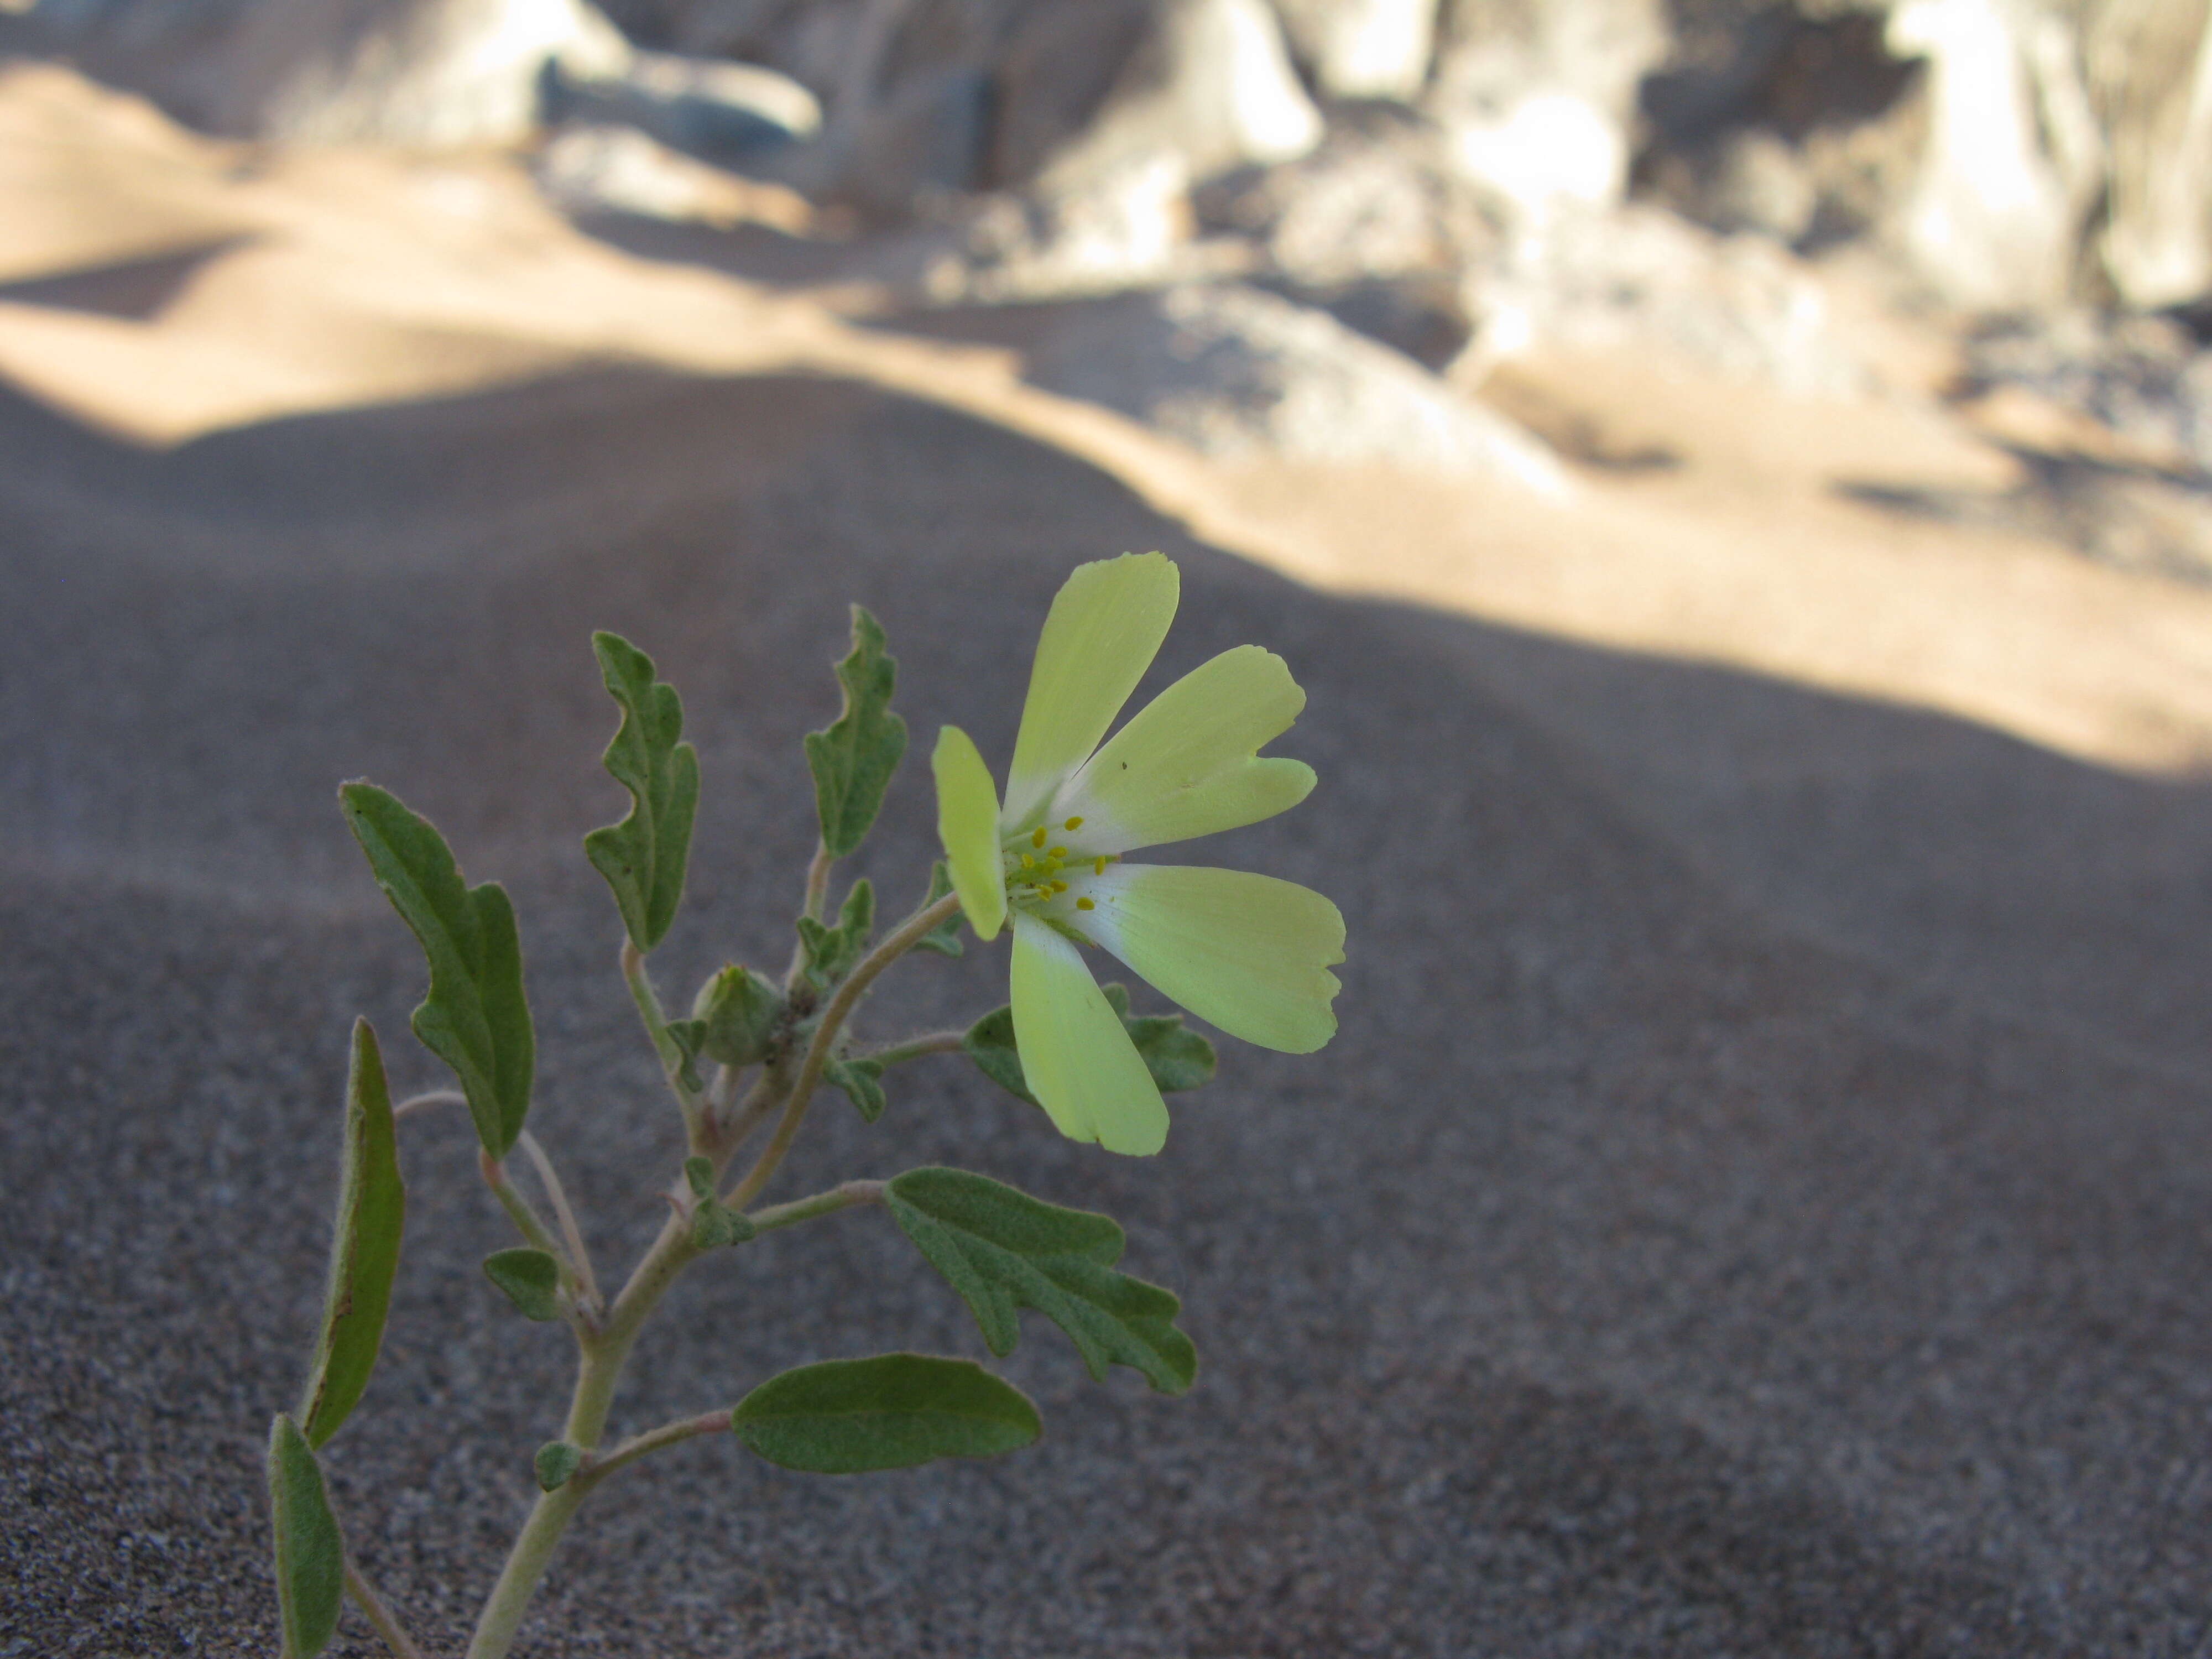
1178	1059
739	1010
849	1416
310	1553
690	1036
529	1277
364	1246
831	952
859	1080
475	1017
1003	1250
643	857
944	937
555	1462
854	758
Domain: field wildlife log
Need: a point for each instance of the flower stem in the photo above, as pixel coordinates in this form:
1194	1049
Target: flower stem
936	1042
909	933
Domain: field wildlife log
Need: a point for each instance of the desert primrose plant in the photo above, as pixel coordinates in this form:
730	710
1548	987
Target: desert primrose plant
1246	952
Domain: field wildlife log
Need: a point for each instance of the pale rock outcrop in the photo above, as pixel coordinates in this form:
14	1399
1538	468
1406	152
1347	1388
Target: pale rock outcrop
1537	98
2150	74
1241	374
1363	48
706	107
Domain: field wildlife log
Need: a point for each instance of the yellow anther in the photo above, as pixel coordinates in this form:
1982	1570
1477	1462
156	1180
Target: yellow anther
1056	852
1060	887
1075	823
1028	863
1037	840
1084	904
1098	864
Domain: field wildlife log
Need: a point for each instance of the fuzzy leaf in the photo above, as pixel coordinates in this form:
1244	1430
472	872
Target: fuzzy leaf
854	758
712	1225
643	857
475	1017
555	1462
364	1246
859	1080
690	1036
310	1553
892	1411
832	952
1177	1058
944	937
529	1277
1003	1250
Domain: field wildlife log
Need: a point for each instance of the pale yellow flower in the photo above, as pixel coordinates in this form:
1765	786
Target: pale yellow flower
1247	952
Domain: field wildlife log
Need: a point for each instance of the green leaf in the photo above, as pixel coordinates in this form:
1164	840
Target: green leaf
944	937
739	1010
529	1277
555	1462
1178	1059
475	1017
853	759
364	1246
832	952
310	1553
690	1036
849	1416
859	1080
643	857
712	1225
1003	1250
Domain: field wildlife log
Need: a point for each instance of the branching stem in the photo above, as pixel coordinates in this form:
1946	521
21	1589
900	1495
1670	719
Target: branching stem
908	933
847	1196
668	1434
641	993
518	1209
579	1258
380	1614
936	1042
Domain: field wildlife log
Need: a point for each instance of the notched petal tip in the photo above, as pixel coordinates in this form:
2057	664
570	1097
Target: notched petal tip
968	825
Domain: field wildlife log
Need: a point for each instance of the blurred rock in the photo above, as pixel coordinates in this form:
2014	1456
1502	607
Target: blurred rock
2150	74
1362	48
1211	83
2144	379
1537	98
1238	374
619	169
720	111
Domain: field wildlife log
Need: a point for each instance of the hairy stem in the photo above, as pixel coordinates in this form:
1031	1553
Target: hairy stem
519	1211
668	1434
424	1102
380	1614
818	889
936	1042
578	1256
664	1046
847	1196
909	933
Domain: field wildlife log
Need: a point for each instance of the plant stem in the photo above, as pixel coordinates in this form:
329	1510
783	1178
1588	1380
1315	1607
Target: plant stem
422	1102
936	1042
908	934
845	1197
578	1256
818	889
519	1211
380	1614
668	1434
656	1027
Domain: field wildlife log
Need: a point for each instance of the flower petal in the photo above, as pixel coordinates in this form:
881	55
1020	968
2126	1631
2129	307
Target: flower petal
1186	765
1076	1055
1104	629
968	825
1248	953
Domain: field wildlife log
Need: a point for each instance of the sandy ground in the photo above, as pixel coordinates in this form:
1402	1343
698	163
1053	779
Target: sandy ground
1760	1200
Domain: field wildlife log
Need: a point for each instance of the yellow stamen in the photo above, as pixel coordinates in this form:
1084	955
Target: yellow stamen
1060	887
1028	863
1084	904
1075	823
1037	840
1056	852
1098	864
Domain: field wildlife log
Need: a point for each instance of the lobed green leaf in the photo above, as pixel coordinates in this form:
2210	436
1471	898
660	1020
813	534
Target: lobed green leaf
861	1081
310	1552
892	1411
474	1016
1003	1250
643	857
1179	1059
853	759
364	1246
713	1224
831	952
529	1277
